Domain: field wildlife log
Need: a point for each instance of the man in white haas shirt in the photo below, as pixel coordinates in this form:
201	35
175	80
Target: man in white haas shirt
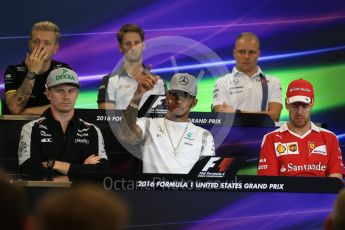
171	144
117	89
299	147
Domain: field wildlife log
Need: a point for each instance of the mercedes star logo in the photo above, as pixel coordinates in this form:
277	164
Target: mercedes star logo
183	80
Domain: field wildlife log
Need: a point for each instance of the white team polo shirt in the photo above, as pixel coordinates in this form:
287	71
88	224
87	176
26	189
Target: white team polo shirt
245	93
120	88
158	153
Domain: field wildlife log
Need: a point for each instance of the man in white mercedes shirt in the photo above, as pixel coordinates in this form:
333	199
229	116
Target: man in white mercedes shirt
171	144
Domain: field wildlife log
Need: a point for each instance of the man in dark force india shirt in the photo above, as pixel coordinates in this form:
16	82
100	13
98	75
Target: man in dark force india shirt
60	141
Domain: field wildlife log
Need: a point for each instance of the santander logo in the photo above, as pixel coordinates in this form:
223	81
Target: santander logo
299	89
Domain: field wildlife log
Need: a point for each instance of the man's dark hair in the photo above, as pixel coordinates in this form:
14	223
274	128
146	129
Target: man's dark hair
129	28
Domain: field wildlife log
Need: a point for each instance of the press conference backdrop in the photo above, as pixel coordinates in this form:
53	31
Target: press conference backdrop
297	41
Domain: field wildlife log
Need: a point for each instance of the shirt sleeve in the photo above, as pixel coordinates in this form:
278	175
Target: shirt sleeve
106	91
143	123
220	92
207	148
275	94
335	164
11	80
29	152
268	162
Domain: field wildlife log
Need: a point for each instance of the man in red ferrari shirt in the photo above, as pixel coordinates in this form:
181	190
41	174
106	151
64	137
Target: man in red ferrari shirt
299	147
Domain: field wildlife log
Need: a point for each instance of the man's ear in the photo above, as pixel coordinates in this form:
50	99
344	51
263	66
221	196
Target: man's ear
286	105
194	103
47	93
119	46
56	48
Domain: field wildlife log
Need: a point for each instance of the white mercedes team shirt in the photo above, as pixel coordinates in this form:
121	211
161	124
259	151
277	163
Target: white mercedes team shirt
245	93
158	149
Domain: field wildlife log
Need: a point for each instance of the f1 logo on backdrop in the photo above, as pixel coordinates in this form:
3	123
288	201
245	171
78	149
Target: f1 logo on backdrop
211	163
159	102
222	166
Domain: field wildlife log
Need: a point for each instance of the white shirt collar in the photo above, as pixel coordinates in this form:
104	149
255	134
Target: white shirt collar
285	127
236	72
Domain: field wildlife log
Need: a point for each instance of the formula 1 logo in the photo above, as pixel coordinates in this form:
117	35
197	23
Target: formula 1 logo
216	167
211	163
158	106
159	102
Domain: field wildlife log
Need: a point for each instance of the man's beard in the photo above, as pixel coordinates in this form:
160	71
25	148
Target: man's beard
133	58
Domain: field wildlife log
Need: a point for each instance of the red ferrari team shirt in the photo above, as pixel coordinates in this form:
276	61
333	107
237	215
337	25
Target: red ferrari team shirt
285	153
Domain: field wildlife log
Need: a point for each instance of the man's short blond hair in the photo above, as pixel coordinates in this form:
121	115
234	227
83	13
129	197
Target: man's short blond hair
47	26
248	35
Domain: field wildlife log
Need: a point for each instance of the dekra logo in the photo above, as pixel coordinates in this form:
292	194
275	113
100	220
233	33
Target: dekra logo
64	75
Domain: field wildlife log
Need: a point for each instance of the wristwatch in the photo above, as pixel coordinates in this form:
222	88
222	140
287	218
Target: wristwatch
50	163
31	75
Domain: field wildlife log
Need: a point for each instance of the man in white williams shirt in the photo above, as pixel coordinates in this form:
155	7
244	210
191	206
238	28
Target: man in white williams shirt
171	144
246	88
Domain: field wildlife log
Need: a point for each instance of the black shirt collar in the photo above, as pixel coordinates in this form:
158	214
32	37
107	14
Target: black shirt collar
73	122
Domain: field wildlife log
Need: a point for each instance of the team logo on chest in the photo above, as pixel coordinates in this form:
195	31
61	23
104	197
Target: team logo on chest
289	148
189	136
317	148
292	147
280	149
82	136
311	146
45	134
46	140
282	169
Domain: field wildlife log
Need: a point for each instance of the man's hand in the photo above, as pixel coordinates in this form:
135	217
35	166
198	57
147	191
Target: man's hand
146	81
92	160
44	164
35	60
